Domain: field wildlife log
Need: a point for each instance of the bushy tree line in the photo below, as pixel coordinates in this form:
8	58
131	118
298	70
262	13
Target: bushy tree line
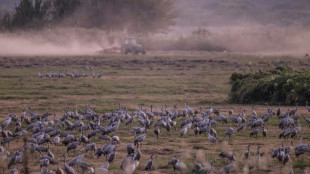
281	84
36	14
135	16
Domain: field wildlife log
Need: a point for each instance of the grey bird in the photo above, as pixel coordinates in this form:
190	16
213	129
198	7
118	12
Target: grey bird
157	131
14	171
59	170
130	149
90	146
68	169
229	156
246	154
295	130
74	160
228	168
103	169
255	132
139	139
177	165
110	157
73	145
211	138
301	148
138	154
56	140
229	131
240	126
183	131
307	107
148	163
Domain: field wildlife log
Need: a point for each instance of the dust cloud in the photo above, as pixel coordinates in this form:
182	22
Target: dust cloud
71	41
245	169
259	28
61	41
226	147
256	39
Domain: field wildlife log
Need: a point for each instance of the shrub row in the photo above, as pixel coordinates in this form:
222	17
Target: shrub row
281	84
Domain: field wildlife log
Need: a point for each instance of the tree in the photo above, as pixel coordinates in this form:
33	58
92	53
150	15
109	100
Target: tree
65	8
39	9
23	14
6	21
151	16
136	16
26	15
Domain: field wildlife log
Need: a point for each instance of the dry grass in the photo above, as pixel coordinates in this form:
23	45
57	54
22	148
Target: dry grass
132	80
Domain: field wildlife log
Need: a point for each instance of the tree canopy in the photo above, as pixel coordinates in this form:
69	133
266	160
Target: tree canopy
135	16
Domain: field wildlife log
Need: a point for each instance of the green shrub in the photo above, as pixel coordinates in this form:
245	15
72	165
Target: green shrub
281	84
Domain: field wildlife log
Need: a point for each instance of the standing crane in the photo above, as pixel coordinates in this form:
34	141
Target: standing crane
148	163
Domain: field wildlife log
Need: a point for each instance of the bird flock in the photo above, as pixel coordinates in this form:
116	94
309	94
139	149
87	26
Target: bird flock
75	74
78	130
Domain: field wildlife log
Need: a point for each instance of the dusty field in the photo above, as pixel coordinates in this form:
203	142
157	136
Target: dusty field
132	80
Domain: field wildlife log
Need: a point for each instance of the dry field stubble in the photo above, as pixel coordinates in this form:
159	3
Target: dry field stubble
158	80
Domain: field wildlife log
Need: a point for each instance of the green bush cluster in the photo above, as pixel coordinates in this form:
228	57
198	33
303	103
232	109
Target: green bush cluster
281	84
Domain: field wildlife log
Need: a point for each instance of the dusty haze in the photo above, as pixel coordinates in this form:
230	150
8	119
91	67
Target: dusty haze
262	39
239	26
242	39
62	41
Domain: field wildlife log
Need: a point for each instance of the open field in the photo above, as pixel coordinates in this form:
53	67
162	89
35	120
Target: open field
144	80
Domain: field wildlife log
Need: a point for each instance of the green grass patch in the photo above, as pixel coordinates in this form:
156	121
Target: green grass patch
299	163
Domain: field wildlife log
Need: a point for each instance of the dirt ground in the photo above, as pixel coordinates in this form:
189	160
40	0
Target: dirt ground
199	79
